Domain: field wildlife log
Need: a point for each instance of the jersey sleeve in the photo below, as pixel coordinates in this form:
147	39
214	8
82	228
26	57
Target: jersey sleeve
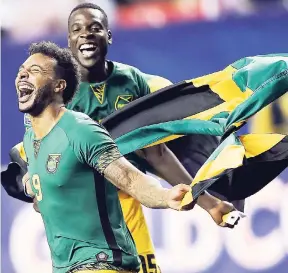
93	145
144	88
155	82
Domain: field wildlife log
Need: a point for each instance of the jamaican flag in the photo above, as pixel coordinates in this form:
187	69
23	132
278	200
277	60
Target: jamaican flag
217	104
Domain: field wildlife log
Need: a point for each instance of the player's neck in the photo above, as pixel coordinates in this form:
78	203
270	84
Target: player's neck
99	73
44	123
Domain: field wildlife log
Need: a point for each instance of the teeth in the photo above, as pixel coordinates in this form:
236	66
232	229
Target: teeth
87	53
25	87
25	90
87	46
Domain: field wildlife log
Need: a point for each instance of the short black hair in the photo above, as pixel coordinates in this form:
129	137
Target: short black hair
90	6
68	68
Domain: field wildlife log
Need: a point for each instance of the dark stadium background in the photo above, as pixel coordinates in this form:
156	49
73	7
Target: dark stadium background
177	45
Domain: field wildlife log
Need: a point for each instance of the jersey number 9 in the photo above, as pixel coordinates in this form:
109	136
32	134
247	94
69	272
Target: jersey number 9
37	186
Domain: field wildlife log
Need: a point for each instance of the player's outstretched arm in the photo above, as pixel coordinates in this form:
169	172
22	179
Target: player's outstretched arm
166	164
142	187
95	147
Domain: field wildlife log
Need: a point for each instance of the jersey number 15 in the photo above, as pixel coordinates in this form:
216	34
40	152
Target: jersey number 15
148	264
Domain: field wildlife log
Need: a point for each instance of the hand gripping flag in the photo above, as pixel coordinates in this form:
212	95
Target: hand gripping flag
217	104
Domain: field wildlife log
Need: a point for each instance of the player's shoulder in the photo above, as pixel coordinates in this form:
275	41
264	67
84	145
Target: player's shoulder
155	82
124	67
126	70
74	120
76	124
150	77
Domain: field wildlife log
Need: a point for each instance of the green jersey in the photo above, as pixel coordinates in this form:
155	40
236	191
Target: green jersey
98	100
80	209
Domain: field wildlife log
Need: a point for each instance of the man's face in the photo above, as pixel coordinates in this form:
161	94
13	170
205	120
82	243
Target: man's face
34	83
88	36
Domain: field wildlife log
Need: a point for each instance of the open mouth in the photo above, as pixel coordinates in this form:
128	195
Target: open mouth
88	50
24	92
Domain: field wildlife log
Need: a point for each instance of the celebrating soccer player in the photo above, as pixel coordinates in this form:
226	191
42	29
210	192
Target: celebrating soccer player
71	162
105	87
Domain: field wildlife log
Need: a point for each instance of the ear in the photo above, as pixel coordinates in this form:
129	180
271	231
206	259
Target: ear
60	86
110	37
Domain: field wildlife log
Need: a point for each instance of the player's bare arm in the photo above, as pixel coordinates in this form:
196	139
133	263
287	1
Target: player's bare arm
144	188
166	164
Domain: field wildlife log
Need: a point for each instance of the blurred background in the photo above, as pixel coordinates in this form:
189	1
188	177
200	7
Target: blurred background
179	40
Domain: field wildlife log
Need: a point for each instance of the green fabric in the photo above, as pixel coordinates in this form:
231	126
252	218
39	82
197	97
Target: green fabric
266	76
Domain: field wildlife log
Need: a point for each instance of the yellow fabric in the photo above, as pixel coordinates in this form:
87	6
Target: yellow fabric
155	83
263	122
136	223
256	144
230	157
222	83
20	148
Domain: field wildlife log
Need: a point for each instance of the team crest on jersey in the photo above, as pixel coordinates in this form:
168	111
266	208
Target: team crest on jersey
99	92
122	100
53	162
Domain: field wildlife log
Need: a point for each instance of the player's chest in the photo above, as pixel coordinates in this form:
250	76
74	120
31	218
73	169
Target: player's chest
99	101
53	163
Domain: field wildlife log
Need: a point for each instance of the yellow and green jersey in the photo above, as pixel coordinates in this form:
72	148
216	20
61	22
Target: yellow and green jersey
98	100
